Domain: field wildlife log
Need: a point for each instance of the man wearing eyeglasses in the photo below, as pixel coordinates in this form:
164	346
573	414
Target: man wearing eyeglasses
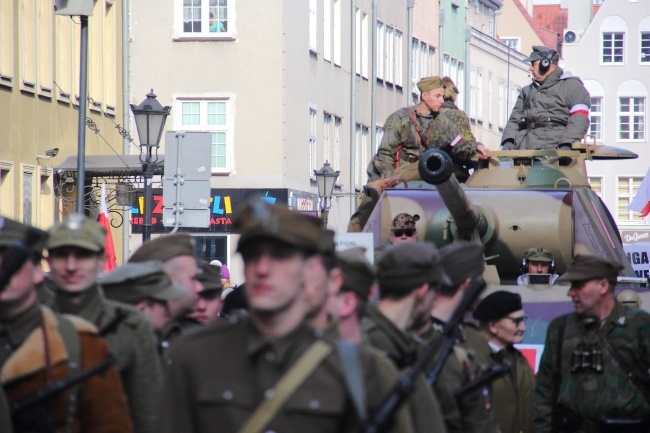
403	228
503	322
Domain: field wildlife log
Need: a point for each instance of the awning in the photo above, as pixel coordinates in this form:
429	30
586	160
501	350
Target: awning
109	165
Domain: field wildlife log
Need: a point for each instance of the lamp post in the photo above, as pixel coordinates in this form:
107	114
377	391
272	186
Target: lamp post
150	117
325	180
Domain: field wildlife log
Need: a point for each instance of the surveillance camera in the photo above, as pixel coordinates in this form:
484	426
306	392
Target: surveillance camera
52	152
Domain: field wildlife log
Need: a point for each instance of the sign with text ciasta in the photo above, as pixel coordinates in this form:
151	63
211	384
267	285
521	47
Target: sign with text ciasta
223	204
636	244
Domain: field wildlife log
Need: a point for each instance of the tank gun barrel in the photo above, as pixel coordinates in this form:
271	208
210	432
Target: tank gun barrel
437	168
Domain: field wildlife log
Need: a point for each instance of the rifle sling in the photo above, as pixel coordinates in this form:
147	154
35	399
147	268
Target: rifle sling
70	338
286	387
353	374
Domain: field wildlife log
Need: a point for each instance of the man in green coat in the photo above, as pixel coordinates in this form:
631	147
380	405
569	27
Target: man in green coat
503	321
593	375
76	258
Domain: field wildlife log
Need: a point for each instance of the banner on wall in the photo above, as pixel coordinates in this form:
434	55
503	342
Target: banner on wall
636	244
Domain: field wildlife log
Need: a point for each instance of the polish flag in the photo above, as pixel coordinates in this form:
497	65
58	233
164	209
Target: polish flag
641	201
104	220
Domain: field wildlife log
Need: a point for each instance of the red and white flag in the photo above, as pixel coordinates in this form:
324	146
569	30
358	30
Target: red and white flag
641	201
104	220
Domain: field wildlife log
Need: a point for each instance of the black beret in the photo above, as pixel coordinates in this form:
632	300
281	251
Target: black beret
165	248
358	272
462	260
584	267
403	267
497	305
258	219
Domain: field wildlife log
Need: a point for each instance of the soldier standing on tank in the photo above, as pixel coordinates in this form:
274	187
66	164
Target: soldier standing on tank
76	257
593	375
503	321
550	113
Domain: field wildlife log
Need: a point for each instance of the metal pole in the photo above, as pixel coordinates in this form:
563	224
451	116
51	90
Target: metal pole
81	132
353	103
125	106
409	54
148	176
373	82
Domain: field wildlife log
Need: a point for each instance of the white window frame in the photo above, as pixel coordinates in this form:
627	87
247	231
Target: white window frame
399	65
630	185
610	51
7	43
381	38
327	31
231	23
313	26
632	118
337	33
379	135
327	139
514	42
365	45
313	137
362	156
597	184
644	51
390	54
596	118
472	93
228	127
503	104
490	100
479	95
336	150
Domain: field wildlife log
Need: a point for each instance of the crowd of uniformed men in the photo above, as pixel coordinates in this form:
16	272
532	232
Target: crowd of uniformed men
319	349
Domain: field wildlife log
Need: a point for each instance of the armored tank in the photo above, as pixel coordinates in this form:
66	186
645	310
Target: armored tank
514	200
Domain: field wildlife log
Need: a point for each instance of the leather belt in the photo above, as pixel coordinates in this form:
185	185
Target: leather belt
549	124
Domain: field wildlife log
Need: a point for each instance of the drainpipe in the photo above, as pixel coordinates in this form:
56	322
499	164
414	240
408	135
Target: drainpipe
353	102
126	120
373	81
409	56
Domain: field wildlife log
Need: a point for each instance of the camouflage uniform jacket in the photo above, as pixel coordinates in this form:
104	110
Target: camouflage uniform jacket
560	105
440	130
132	340
586	393
467	413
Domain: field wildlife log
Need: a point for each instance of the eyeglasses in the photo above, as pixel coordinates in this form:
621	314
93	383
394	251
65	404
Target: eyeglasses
517	320
400	232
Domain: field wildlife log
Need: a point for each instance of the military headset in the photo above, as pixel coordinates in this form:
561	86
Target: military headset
546	61
524	266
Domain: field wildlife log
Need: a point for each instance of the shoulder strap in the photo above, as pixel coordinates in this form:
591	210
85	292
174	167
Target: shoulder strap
421	137
70	338
353	374
286	386
636	378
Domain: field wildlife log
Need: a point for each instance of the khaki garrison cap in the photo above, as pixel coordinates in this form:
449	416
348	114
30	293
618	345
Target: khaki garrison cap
258	220
462	260
403	267
165	248
134	282
13	232
538	254
77	231
585	267
358	273
429	83
210	277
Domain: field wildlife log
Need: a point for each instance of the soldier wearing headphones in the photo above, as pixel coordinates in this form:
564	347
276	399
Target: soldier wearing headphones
550	113
537	267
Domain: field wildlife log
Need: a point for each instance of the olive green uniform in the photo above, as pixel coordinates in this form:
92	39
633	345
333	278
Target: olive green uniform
470	411
585	395
402	350
220	373
131	339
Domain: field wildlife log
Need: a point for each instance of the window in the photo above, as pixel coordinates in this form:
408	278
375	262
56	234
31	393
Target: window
28	49
362	156
313	27
379	135
596	184
627	189
596	119
336	151
613	47
645	47
110	58
390	54
362	48
512	43
380	50
65	64
631	119
6	42
337	32
327	31
472	93
312	141
415	61
327	129
28	193
490	100
214	116
503	104
399	73
479	95
6	187
205	19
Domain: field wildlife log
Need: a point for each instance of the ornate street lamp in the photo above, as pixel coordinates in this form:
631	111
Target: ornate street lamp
150	117
326	180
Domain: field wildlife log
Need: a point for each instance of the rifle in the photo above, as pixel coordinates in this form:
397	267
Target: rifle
494	372
58	386
380	419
